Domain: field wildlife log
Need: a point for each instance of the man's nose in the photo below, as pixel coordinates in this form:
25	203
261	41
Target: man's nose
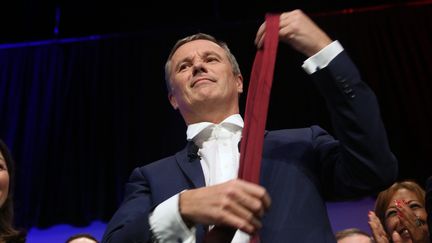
198	67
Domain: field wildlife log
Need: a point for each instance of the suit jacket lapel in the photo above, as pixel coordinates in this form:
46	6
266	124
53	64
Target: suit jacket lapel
189	162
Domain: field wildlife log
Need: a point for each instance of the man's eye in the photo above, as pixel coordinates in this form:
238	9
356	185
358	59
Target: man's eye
183	66
212	59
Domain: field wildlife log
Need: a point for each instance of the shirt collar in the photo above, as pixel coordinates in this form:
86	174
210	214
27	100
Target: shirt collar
194	129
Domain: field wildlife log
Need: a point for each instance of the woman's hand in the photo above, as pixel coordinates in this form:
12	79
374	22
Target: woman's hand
378	232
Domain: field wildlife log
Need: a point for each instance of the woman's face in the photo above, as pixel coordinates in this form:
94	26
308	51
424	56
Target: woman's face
4	180
392	221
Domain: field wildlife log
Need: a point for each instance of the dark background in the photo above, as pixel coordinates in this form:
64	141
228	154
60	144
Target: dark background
83	106
34	19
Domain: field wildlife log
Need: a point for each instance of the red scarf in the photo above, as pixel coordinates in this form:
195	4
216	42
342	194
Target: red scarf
255	117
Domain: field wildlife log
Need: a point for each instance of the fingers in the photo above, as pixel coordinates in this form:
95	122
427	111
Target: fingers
396	238
259	38
284	20
298	30
253	198
255	191
243	204
405	215
236	203
377	229
237	217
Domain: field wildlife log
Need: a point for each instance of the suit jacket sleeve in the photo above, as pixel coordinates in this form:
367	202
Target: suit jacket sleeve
130	222
363	161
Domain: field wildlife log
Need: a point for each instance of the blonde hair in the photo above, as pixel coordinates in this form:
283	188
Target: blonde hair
349	232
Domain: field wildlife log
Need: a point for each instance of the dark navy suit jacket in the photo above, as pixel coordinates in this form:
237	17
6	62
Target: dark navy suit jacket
301	168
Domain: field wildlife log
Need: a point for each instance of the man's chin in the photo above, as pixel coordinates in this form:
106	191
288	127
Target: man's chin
205	92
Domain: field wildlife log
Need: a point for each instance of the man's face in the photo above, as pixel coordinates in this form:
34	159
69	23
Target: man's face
202	77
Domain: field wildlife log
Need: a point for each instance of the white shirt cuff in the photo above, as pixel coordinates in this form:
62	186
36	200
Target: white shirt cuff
322	58
167	224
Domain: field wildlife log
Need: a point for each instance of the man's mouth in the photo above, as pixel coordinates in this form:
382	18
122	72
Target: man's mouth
199	80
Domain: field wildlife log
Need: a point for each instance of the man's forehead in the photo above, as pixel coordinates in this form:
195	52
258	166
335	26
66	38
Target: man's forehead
197	47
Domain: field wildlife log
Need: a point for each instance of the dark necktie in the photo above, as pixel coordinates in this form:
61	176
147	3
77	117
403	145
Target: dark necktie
255	118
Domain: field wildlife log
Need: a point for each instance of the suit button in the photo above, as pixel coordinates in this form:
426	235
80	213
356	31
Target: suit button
341	80
348	91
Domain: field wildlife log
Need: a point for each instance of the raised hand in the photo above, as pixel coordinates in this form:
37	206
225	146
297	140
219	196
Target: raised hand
378	232
298	30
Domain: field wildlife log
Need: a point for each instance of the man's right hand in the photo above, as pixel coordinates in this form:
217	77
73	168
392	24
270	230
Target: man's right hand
298	30
237	203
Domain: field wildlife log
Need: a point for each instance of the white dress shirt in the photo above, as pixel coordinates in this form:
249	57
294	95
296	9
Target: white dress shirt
218	150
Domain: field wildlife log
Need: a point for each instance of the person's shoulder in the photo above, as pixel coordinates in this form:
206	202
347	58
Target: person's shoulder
158	163
306	135
163	162
295	132
151	168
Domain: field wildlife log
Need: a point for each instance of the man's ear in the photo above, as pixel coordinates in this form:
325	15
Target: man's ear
173	101
239	81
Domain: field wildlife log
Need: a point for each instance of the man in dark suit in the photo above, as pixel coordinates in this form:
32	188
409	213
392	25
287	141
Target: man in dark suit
179	198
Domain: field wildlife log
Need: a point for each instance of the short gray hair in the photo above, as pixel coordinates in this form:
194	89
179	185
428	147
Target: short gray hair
198	36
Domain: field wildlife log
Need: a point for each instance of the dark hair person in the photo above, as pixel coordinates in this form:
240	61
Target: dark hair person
7	231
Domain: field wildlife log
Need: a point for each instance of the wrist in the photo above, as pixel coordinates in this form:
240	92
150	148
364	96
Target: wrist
189	223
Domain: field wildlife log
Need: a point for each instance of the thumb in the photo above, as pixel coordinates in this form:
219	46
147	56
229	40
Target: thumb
396	237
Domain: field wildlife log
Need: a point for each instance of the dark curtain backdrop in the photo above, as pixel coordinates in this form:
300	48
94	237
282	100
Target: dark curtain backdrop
80	114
